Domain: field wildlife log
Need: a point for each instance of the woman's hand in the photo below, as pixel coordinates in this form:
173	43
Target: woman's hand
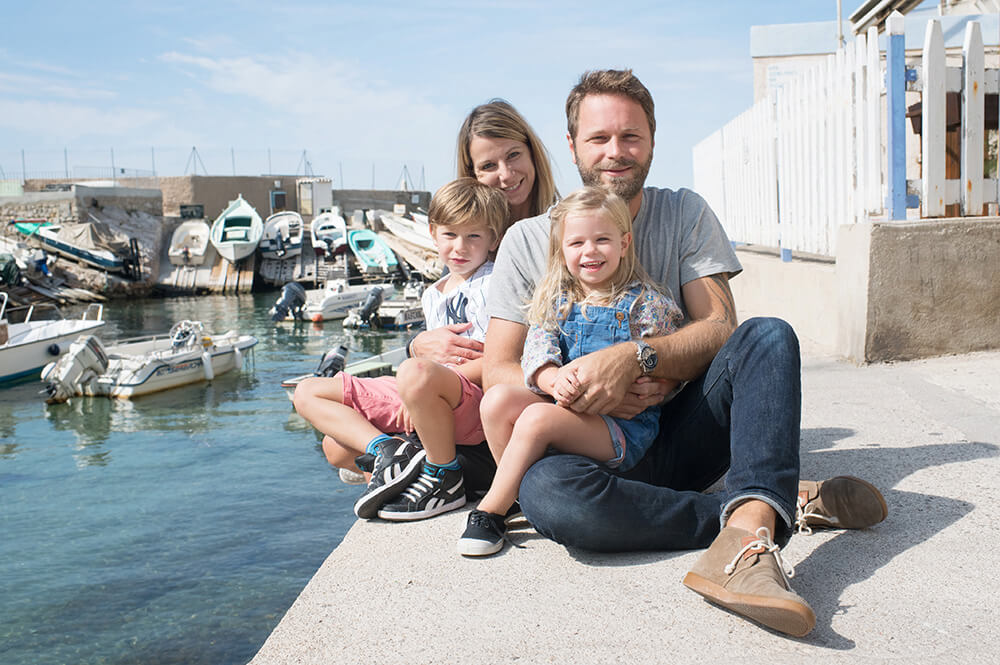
446	346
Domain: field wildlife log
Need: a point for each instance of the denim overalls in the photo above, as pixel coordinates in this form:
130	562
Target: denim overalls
603	327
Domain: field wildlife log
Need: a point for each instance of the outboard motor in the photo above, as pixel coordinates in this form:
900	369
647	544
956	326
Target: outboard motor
332	362
279	250
366	316
85	360
292	299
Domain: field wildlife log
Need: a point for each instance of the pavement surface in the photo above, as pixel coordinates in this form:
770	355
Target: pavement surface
921	587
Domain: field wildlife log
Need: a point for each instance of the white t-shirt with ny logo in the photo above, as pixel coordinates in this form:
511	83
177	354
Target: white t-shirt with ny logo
463	304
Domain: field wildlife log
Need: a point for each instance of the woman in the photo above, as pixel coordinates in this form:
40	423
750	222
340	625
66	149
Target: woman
497	147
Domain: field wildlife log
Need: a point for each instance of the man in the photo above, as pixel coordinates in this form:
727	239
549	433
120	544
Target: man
737	416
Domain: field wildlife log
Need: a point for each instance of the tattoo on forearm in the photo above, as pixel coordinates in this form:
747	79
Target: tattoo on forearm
719	286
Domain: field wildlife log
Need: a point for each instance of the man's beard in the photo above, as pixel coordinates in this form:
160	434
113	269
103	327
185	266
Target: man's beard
627	187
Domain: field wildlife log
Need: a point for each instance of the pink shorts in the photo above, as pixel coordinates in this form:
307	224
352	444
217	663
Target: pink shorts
377	399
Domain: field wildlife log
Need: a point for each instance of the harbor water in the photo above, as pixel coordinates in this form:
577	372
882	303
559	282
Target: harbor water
177	527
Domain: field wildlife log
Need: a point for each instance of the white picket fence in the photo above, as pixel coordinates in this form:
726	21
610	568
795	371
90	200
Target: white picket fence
812	156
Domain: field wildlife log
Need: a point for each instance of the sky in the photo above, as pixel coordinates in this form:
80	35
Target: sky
354	91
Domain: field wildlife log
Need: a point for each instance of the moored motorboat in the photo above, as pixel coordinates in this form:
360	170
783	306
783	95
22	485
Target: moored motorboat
282	236
146	365
189	242
372	254
27	345
338	297
329	233
237	230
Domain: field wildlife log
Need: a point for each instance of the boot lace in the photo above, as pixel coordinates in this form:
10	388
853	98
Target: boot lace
764	542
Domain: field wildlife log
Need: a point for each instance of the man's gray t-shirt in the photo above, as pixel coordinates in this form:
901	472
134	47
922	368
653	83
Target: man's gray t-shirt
678	237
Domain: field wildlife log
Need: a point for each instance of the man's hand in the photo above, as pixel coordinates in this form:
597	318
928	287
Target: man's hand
446	346
604	377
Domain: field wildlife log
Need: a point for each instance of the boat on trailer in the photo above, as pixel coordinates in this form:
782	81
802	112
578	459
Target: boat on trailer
41	335
237	230
144	365
282	236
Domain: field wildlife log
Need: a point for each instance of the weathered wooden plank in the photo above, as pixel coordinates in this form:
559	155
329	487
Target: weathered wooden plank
933	123
973	121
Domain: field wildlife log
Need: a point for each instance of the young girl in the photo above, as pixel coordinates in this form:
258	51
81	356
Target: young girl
594	294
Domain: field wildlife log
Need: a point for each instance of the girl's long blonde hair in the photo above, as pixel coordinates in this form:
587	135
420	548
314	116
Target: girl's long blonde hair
556	293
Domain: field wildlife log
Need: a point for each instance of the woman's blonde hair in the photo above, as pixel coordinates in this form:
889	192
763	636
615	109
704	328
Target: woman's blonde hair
558	290
497	119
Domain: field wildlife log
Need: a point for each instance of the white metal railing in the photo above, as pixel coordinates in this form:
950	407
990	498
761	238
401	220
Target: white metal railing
824	151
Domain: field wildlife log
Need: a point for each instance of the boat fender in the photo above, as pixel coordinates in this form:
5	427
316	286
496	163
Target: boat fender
237	358
206	363
53	349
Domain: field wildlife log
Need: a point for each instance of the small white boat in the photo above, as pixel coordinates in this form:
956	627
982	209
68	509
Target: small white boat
237	231
189	242
380	365
338	297
329	233
26	346
282	237
413	231
146	365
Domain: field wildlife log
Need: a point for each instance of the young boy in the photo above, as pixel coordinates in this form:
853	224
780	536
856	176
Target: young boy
440	402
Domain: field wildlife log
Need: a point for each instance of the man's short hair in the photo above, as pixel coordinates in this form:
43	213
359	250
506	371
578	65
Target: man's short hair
467	200
608	82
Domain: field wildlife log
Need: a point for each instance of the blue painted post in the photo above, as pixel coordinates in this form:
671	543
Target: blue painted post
895	86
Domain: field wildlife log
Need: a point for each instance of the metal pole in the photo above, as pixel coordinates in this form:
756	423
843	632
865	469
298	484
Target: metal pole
24	171
152	159
114	180
232	156
270	171
340	165
66	162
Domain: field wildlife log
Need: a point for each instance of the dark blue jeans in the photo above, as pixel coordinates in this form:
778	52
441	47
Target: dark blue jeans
741	416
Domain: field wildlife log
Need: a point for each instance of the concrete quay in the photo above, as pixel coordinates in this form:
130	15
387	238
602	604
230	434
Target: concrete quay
918	588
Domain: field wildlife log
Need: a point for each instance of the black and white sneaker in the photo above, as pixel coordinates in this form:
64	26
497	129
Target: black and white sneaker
432	493
484	534
397	463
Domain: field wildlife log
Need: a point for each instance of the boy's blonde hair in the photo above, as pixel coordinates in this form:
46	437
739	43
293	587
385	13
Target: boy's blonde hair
466	200
557	292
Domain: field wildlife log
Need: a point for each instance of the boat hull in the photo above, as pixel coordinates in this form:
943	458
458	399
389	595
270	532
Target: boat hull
100	259
372	254
336	301
189	243
30	348
237	231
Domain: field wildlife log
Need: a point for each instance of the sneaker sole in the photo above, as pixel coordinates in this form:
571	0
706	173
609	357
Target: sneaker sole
784	616
469	547
400	516
367	506
857	522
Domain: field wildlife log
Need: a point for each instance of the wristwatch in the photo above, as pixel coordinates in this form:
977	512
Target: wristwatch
646	355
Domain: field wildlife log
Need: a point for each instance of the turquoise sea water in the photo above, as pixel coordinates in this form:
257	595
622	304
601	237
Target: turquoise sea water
177	527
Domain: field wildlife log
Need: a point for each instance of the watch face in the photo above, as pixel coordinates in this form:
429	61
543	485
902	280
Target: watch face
648	358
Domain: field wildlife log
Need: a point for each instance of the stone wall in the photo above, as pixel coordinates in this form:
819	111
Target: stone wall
350	200
57	207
